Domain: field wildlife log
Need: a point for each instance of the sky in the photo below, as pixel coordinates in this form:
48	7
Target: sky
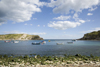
50	19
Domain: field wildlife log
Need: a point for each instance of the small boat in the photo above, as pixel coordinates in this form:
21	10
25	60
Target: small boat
7	41
70	42
16	41
74	40
43	42
59	43
35	43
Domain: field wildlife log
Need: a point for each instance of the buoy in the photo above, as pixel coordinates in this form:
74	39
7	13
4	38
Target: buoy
48	40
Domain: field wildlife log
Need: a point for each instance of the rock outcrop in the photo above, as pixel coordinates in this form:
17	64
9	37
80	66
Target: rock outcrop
95	35
20	37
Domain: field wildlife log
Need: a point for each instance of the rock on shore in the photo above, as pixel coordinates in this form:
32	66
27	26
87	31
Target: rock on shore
52	64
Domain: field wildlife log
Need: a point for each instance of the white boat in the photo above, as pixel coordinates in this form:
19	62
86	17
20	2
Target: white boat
74	40
16	41
59	43
7	41
43	42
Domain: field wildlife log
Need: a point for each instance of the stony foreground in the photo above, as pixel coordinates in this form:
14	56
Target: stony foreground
50	61
51	64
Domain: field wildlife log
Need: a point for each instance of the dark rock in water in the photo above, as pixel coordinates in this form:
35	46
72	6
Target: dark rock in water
78	55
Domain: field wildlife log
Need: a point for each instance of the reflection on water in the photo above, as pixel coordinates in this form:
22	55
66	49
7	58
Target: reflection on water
51	48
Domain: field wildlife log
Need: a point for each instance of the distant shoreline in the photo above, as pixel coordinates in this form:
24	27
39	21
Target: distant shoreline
87	40
20	37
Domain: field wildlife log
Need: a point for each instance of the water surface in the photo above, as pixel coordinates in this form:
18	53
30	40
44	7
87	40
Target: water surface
51	48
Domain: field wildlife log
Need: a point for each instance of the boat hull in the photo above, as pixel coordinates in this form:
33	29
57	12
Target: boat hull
59	43
70	42
16	41
35	43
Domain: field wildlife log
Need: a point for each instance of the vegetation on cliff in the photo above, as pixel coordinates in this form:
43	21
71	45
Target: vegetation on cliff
95	35
20	37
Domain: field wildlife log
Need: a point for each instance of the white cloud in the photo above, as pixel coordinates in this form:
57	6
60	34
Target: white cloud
31	24
70	36
95	29
72	12
43	25
43	33
17	32
25	24
88	20
82	21
64	36
64	6
89	14
75	16
19	10
34	18
13	32
2	23
64	32
38	25
62	25
62	17
92	9
13	22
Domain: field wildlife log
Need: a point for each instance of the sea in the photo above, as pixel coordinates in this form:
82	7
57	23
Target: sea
50	48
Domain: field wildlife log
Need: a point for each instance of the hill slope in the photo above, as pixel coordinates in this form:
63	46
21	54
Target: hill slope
95	35
20	37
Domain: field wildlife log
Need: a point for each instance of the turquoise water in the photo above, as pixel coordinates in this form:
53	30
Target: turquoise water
51	48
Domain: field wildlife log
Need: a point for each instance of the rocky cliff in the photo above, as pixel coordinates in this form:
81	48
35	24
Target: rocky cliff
20	37
95	35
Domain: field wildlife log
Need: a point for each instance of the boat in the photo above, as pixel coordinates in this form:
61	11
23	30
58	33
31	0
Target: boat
16	41
74	40
35	43
70	42
59	43
43	42
7	41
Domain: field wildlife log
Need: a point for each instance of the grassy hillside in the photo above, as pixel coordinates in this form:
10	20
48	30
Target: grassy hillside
20	37
95	35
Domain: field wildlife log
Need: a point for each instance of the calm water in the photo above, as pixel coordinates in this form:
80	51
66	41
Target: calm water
50	48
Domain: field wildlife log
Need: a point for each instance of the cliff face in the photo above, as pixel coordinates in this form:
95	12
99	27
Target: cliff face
20	37
91	36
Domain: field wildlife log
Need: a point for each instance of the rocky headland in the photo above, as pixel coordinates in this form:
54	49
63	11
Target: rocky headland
95	35
20	37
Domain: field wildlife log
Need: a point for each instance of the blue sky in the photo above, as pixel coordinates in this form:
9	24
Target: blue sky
50	19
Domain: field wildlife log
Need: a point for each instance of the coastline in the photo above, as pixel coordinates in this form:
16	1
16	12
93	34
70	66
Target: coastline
20	37
87	40
22	40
